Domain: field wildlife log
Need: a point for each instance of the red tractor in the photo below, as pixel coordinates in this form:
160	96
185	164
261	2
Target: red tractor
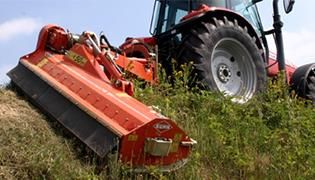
79	80
227	44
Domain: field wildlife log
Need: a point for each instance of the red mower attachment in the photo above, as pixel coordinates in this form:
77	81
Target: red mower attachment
75	79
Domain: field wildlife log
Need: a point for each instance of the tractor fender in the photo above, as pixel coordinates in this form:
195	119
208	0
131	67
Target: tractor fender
205	12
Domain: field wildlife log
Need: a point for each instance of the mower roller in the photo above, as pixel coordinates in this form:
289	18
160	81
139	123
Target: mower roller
74	79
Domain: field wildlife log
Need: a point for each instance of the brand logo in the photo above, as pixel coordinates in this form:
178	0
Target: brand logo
162	126
76	58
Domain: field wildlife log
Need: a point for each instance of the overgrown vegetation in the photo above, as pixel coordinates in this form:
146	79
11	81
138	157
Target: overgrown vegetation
270	137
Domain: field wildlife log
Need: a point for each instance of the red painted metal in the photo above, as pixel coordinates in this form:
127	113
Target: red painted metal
142	68
78	76
136	48
139	60
273	69
149	41
204	9
133	151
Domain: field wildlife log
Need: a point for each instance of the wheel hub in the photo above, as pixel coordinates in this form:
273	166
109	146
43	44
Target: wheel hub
233	69
224	73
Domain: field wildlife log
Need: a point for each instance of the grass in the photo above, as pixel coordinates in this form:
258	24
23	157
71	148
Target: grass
30	148
270	137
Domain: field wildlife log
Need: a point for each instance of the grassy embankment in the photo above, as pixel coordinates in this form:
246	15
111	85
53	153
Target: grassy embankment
270	137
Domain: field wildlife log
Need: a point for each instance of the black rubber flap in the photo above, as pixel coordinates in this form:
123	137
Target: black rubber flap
87	129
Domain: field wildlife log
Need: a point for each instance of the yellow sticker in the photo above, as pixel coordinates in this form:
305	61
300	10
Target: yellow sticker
76	58
42	63
132	137
122	94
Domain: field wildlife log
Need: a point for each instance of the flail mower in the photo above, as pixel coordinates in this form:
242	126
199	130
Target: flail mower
79	80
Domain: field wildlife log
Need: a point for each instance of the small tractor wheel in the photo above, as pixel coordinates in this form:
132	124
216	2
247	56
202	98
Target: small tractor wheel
303	81
226	59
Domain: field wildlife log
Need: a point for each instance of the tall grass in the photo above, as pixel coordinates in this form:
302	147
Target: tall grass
270	137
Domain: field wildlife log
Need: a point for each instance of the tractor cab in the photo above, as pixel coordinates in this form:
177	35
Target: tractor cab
169	13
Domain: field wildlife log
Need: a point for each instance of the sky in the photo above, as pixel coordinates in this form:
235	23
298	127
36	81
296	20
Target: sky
21	21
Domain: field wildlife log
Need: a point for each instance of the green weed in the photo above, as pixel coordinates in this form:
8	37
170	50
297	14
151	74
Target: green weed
270	137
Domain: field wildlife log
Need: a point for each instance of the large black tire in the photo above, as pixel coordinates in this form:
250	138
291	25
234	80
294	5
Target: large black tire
303	81
226	58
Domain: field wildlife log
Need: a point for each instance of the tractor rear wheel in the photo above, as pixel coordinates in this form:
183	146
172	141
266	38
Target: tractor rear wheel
226	59
303	82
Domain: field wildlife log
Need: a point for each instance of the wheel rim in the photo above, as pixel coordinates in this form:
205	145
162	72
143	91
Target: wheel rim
233	70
